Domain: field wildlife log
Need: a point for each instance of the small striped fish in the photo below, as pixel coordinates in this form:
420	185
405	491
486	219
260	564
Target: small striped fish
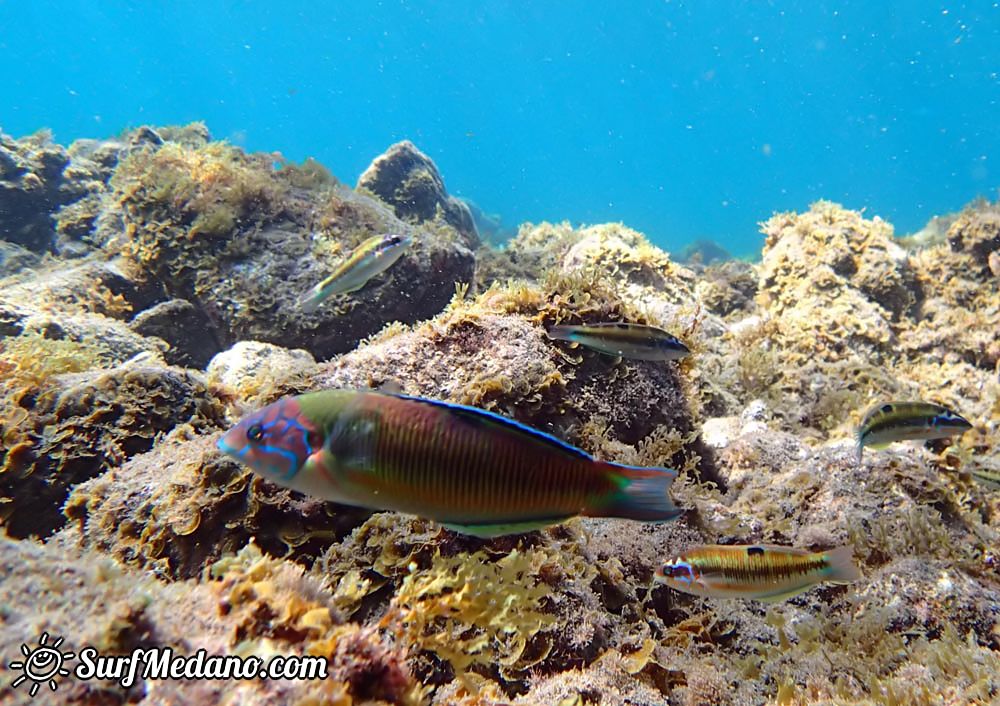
898	421
987	476
372	257
636	341
471	470
766	572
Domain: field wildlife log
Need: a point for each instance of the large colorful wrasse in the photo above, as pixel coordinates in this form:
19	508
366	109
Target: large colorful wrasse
372	257
898	421
471	470
636	341
765	572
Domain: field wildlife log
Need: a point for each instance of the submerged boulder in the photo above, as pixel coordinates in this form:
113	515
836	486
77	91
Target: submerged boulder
243	241
407	179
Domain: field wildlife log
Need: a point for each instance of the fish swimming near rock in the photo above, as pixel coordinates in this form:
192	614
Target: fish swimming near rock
636	341
765	572
898	421
372	257
986	476
471	470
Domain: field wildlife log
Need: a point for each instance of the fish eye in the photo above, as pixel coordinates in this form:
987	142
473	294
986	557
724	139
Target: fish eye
672	570
887	409
255	433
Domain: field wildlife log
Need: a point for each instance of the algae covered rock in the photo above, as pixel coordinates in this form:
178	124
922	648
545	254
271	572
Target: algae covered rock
261	372
833	292
31	189
243	240
727	288
183	505
247	605
183	327
959	318
74	426
407	179
50	195
491	352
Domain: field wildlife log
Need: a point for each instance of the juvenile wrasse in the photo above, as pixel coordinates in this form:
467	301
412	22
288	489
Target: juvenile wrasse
898	421
989	478
766	572
636	341
372	257
471	470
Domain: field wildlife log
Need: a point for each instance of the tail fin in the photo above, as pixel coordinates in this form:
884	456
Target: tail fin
561	333
310	301
641	494
842	566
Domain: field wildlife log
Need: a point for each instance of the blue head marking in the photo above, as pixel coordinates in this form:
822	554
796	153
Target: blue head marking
679	570
274	441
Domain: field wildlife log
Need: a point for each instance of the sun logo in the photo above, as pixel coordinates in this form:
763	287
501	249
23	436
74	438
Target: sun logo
43	664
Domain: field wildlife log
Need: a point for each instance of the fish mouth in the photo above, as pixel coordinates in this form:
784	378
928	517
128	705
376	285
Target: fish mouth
223	446
961	423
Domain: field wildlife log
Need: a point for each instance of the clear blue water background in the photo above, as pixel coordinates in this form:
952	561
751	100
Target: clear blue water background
682	119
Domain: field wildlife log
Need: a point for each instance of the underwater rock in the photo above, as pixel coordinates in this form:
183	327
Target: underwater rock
540	248
830	253
803	496
50	195
259	373
613	257
183	505
959	319
15	258
246	605
833	291
407	179
229	233
91	166
977	232
478	354
31	189
184	327
75	426
489	226
703	252
728	287
934	231
109	288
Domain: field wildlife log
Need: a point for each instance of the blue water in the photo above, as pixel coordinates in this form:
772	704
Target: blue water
684	120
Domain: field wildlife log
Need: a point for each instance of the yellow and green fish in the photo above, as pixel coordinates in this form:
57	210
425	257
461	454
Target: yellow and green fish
765	572
898	421
636	341
372	257
471	470
986	476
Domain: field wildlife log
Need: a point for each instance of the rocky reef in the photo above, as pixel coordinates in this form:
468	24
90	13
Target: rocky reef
149	300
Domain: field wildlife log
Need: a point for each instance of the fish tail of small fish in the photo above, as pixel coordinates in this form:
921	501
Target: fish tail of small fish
842	567
641	494
311	300
563	333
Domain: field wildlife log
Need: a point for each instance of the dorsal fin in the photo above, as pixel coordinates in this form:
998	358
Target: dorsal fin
474	415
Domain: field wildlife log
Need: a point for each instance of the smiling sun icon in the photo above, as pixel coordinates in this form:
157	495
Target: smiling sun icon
43	664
